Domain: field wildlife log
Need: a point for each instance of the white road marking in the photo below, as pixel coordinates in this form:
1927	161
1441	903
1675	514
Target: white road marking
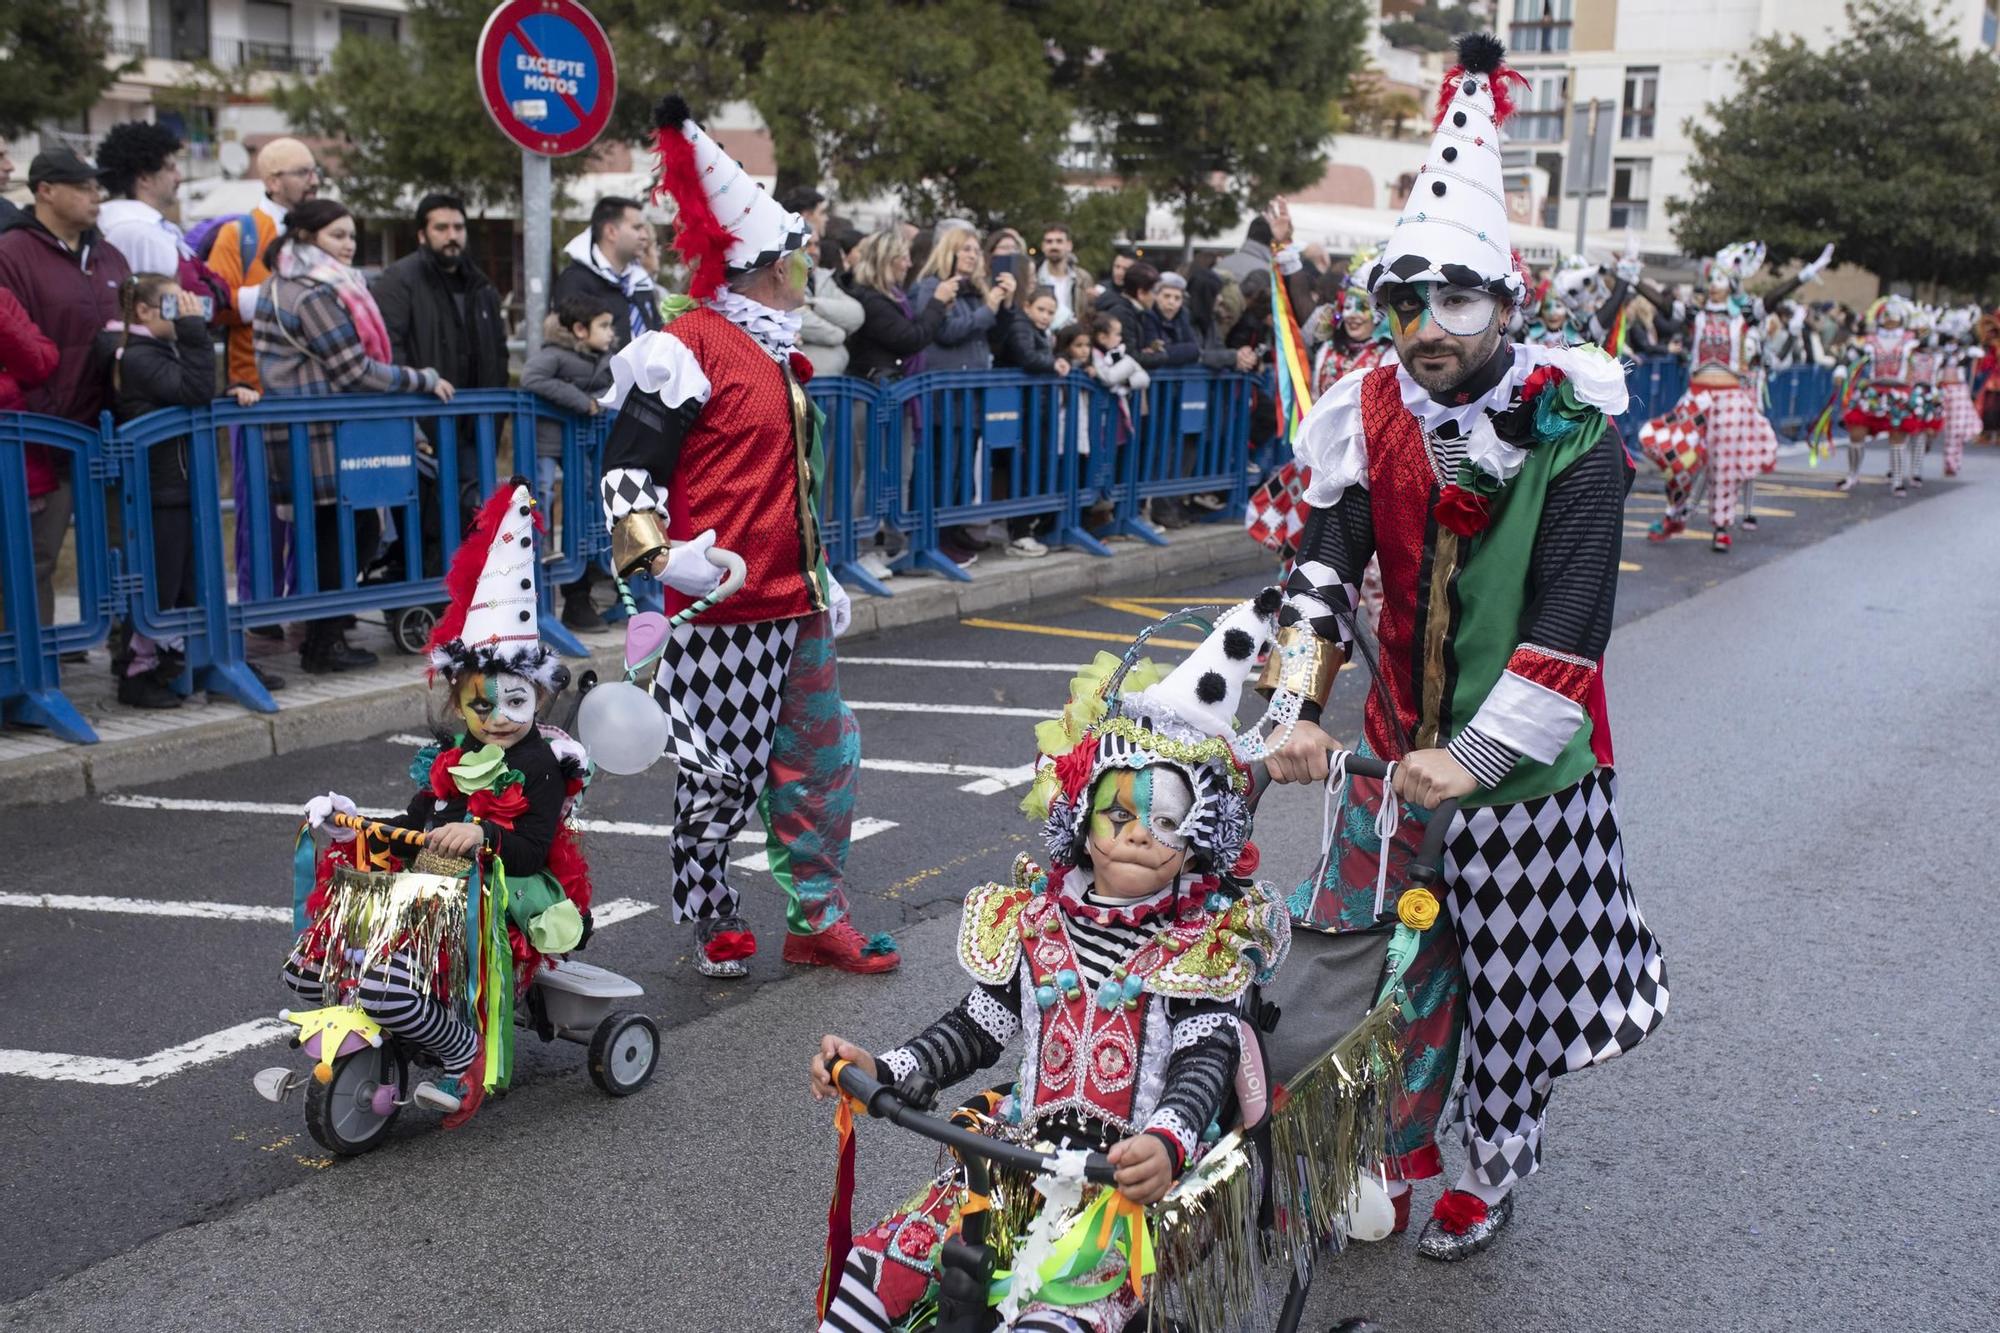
110	1072
863	828
957	710
958	664
64	902
147	1069
991	780
134	801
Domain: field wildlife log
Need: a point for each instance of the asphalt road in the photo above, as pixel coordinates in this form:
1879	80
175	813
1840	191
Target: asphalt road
1807	741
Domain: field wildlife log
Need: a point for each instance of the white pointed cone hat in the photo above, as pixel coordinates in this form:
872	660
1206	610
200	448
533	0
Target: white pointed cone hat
492	623
1206	689
728	224
1453	227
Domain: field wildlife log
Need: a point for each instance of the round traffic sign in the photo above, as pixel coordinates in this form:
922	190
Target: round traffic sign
546	75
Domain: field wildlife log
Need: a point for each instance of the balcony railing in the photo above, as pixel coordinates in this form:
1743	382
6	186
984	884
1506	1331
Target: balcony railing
223	52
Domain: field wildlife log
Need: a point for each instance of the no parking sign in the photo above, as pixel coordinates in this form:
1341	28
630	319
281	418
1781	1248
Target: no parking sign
546	75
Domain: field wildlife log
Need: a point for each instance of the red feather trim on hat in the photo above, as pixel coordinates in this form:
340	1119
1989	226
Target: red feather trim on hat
699	235
461	581
1503	97
570	870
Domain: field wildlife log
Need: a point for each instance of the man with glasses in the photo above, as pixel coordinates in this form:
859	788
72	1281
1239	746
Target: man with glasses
1487	478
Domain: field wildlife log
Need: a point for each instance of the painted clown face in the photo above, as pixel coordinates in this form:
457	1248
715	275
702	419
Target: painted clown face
1137	846
1359	321
498	708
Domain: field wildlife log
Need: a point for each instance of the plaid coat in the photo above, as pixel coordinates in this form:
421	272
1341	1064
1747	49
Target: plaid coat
307	346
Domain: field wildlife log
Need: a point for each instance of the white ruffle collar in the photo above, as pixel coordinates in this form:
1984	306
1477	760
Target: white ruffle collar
776	331
1332	440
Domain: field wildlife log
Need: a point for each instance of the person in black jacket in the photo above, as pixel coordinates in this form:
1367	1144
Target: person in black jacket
157	355
441	314
891	340
604	263
1023	342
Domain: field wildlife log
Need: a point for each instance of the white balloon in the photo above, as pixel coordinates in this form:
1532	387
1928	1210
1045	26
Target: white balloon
1372	1215
622	727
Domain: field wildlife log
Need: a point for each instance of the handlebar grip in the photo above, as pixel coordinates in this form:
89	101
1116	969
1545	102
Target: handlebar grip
853	1081
733	573
376	829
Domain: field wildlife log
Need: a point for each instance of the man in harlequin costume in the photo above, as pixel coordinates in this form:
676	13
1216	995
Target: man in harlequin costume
1119	969
1881	395
1487	478
1717	434
716	443
496	785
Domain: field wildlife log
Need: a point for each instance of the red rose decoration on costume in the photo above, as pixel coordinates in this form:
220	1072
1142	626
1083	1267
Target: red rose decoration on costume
442	786
1073	769
802	369
498	807
1246	863
1539	379
1464	512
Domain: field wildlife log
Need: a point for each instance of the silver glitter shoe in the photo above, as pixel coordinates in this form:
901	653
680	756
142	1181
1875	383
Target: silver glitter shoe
723	947
1451	1246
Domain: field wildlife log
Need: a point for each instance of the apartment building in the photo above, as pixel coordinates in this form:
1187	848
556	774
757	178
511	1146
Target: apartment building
1661	63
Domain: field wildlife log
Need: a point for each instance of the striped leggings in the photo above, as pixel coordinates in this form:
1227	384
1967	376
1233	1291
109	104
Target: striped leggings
856	1308
387	996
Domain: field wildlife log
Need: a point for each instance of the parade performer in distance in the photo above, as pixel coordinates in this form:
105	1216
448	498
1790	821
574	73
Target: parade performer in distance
1119	968
1350	336
1488	478
715	443
496	784
1957	332
1926	398
1717	434
1880	396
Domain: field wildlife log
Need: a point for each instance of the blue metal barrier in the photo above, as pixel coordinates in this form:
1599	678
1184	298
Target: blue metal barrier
1194	439
1797	394
979	432
31	651
857	498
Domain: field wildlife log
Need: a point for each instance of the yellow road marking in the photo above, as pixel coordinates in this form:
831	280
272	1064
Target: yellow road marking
1057	631
1627	567
1129	606
1691	535
1812	492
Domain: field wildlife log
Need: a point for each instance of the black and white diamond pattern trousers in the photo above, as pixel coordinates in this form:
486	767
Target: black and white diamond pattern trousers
721	686
1561	971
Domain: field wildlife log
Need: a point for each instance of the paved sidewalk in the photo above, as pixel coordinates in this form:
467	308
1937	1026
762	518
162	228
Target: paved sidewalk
137	746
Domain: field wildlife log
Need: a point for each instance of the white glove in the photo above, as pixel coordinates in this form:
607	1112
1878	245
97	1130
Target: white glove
320	809
688	569
1811	272
839	606
1630	269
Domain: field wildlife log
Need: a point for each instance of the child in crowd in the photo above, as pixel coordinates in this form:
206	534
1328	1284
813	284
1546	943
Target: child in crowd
159	354
1023	342
571	369
1118	971
495	782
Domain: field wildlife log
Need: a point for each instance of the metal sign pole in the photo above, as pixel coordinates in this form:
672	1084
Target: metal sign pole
1587	139
536	244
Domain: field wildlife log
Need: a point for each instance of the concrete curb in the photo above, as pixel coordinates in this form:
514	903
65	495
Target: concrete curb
1213	550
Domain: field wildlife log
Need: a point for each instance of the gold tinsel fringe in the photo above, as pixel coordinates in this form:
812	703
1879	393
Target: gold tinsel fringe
376	914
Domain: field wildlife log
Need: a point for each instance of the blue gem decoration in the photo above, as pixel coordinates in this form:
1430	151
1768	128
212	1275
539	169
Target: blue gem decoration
1045	996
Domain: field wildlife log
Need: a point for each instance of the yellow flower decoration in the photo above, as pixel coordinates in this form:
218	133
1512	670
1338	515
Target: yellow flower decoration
1417	909
1087	706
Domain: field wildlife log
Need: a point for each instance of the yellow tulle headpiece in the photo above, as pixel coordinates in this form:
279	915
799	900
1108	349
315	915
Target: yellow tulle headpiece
1086	708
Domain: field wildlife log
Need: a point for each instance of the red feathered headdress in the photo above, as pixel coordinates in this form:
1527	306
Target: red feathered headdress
698	234
518	650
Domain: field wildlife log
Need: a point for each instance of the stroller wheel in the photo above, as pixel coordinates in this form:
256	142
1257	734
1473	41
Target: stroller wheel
623	1053
411	627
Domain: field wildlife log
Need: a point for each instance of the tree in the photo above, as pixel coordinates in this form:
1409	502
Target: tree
58	59
1884	144
1213	109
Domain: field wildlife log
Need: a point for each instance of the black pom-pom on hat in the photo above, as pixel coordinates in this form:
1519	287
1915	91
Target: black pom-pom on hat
1269	600
1211	688
1237	645
671	112
1480	53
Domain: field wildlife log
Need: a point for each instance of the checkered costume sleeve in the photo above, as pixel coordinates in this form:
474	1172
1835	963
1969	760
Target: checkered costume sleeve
658	390
1200	1073
1538	703
971	1037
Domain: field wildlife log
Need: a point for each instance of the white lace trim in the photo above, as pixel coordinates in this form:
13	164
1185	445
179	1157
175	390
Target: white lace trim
1198	1028
992	1016
776	331
901	1062
1169	1121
